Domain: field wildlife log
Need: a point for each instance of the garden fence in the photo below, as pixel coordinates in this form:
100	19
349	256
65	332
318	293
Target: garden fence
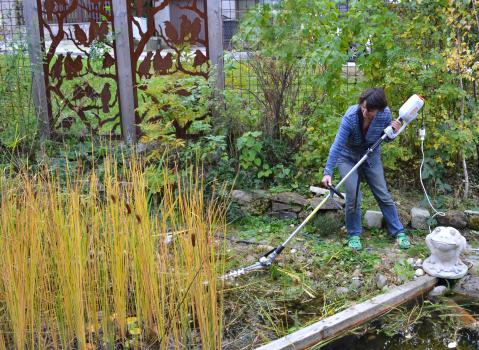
90	58
16	107
88	75
240	74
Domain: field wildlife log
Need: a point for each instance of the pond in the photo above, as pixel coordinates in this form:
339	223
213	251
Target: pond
439	329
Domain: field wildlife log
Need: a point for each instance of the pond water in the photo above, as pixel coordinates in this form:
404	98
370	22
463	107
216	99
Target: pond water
428	336
429	333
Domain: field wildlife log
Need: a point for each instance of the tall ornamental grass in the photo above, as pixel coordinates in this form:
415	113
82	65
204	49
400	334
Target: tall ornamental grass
93	266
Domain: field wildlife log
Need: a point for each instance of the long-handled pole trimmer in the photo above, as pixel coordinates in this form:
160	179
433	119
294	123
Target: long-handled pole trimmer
407	113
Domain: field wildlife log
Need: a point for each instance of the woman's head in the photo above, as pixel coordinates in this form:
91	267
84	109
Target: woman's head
372	101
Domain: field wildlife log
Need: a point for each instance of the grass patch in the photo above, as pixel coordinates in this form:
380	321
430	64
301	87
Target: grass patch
338	256
377	238
419	249
262	229
404	270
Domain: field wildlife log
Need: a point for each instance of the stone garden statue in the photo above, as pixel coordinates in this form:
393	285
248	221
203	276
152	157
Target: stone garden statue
445	244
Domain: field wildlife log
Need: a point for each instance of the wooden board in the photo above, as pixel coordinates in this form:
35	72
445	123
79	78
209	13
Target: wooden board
125	74
353	316
215	39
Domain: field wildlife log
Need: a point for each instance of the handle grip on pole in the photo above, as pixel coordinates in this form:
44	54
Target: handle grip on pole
407	113
335	191
390	132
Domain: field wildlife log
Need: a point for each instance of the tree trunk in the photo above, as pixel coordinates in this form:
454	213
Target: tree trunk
477	151
463	102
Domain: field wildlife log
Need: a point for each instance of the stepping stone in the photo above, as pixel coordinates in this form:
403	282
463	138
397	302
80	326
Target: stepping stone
373	219
419	218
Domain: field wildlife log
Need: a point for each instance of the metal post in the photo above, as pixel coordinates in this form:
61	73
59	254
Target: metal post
36	49
125	69
215	39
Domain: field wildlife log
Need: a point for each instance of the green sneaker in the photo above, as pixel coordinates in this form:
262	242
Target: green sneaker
403	240
354	242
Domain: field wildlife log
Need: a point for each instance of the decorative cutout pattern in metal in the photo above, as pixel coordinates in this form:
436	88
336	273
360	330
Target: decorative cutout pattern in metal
169	37
80	69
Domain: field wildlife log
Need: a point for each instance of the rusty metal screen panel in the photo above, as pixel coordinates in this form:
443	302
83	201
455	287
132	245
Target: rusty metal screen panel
80	68
169	37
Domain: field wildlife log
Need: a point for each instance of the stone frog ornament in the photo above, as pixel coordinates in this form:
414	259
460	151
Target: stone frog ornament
445	244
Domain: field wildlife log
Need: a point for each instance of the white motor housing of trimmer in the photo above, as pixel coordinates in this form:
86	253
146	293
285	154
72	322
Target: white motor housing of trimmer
407	113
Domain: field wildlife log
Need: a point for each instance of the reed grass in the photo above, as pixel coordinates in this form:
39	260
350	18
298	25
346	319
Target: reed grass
89	267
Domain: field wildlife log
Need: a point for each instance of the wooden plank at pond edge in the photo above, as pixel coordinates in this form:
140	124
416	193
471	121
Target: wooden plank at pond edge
353	316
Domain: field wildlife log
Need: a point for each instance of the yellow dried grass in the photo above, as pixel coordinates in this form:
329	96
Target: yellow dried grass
80	267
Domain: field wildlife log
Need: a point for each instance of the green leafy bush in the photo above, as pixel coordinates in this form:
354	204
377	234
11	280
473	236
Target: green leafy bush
250	150
429	48
176	110
17	114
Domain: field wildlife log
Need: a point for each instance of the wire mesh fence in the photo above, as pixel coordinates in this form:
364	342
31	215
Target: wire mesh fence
242	69
17	117
238	73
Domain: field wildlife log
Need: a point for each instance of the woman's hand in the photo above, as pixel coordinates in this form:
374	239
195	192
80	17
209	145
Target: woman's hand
396	125
326	181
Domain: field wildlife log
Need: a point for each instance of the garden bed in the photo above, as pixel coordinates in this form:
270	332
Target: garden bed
315	277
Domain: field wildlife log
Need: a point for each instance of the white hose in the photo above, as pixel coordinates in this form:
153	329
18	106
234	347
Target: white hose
436	212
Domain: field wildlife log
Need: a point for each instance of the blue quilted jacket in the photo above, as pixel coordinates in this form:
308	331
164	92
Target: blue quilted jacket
350	143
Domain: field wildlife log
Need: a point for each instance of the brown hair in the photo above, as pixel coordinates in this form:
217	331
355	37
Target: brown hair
375	99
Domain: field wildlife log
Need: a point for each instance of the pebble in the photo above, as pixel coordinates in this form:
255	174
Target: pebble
418	263
381	281
294	251
410	261
342	290
452	345
356	283
357	273
419	272
438	291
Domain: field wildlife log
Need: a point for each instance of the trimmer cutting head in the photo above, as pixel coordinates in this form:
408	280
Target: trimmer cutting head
244	270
